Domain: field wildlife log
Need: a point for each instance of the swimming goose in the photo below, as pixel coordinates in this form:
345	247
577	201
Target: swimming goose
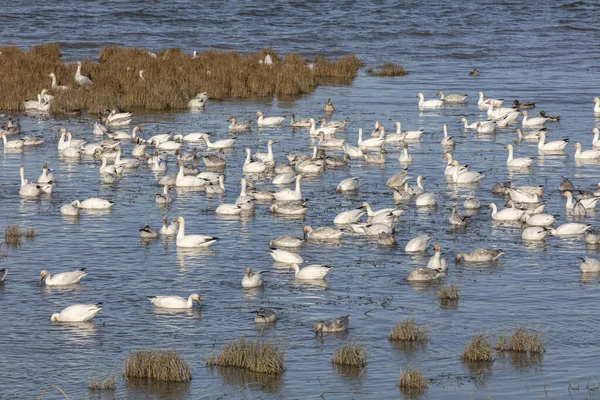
398	180
457	219
592	237
369	143
312	166
246	202
377	158
530	209
118	119
159	138
397	137
77	313
311	271
28	189
55	86
175	302
523	162
333	124
169	230
214	160
337	161
487	103
286	257
99	129
383	211
472	203
408	135
253	167
506	214
504	120
574	208
447	140
32	141
127	163
288	194
286	241
81	80
235	125
423	275
426	200
299	123
94	203
265	316
452	98
463	175
451	167
596	140
467	125
529	135
170	145
434	103
289	208
284	179
198	102
570	229
159	164
333	325
122	135
404	156
266	157
330	143
589	265
328	107
349	217
219	144
322	234
148	232
479	255
251	280
597	106
587	203
519	196
565	184
557	145
269	121
314	131
62	278
70	209
216	188
229	209
353	152
436	262
184	240
485	126
12	144
585	155
532	122
110	169
183	180
535	233
418	243
47	175
539	219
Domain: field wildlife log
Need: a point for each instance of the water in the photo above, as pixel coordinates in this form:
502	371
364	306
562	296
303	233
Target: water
546	54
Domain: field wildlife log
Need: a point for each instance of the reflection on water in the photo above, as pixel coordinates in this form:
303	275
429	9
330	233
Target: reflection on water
244	379
137	388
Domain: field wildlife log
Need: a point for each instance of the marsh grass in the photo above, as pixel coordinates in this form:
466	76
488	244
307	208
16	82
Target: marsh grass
254	355
478	349
351	354
387	69
521	341
409	331
30	234
160	365
13	235
106	383
170	80
448	293
412	379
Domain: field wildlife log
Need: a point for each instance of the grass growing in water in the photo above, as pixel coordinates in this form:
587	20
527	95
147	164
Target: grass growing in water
521	341
478	349
254	355
30	234
168	81
412	379
409	331
448	293
107	383
387	69
159	365
350	354
13	234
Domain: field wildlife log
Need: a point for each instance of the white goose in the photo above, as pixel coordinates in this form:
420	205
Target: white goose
347	185
28	189
452	98
175	302
464	176
189	241
486	126
115	118
299	123
539	219
532	122
596	140
418	243
447	140
587	154
81	80
408	135
94	203
434	103
251	280
570	229
311	272
451	167
314	131
55	85
529	135
127	163
557	145
506	214
589	265
110	169
47	175
164	197
323	234
12	144
77	313
520	196
253	167
597	106
404	156
423	275
369	143
349	217
70	209
436	262
588	203
330	143
288	194
169	230
269	121
523	162
535	233
62	278
122	135
269	156
467	125
183	180
219	144
286	257
487	103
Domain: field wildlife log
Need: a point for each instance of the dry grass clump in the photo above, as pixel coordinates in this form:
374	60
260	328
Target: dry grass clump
387	69
13	234
30	234
169	80
521	341
350	354
448	293
412	379
253	355
409	331
107	383
478	349
159	365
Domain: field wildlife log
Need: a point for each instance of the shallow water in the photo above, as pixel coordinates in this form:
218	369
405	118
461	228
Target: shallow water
526	52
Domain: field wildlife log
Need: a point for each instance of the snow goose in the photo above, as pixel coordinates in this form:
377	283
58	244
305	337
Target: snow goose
479	255
127	163
251	280
70	209
285	178
269	121
219	144
589	265
532	122
214	160
334	325
520	196
198	102
426	200
32	141
253	167
289	208
286	257
588	203
216	188
575	208
148	232
81	80
112	169
330	143
333	124
557	145
28	189
47	175
183	180
229	209
374	229
570	229
122	135
175	302
436	261
62	278
115	118
585	155
337	161
539	219
418	243
349	217
235	125
310	272
423	275
592	237
347	185
451	167
369	143
377	158
189	241
472	203
243	200
268	157
463	175
597	105
287	241
408	135
299	123
596	140
12	144
314	131
457	219
523	162
535	233
506	214
159	138
288	194
265	316
529	135
94	203
486	126
55	85
169	230
77	313
434	103
371	213
467	125
452	98
404	156
353	152
487	103
447	140
322	234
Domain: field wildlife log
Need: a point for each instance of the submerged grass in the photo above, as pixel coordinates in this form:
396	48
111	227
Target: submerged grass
107	383
478	349
387	69
448	293
521	341
168	81
30	234
408	331
254	355
13	234
350	354
412	379
160	365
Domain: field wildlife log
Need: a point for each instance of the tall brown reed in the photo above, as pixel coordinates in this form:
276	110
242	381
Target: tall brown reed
521	341
387	69
412	379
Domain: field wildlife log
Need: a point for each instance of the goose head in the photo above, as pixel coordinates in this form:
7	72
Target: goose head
436	247
307	229
179	220
248	272
195	297
318	327
43	275
259	114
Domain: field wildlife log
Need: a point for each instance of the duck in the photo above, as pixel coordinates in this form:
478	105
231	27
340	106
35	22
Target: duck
535	233
328	108
404	156
418	243
553	118
286	257
94	203
532	122
299	123
77	313
506	214
447	140
235	125
589	265
466	124
127	163
452	98
523	162
570	229
434	103
457	219
251	280
81	80
175	302
288	194
189	241
265	316
322	234
169	230
487	103
289	208
333	325
148	232
408	135
426	200
286	241
349	217
557	145
524	104
424	275
436	262
62	278
471	203
253	167
12	144
70	209
539	219
55	85
269	121
463	175
47	175
587	154
475	72
28	189
597	106
479	255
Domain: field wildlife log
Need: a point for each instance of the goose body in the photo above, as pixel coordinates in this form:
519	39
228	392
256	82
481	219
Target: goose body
288	194
487	103
235	125
371	143
253	167
311	272
81	80
511	162
70	209
175	302
127	163
457	219
348	217
63	278
252	280
434	103
268	157
286	241
219	144
557	145
426	200
347	185
94	203
462	175
529	135
586	154
55	85
532	122
289	208
333	325
322	234
169	230
570	229
148	232
436	261
191	241
265	316
480	255
466	124
268	121
447	140
12	144
423	275
418	244
183	180
115	118
408	135
539	219
27	189
506	214
589	265
452	98
299	123
77	313
471	203
535	233
286	257
519	196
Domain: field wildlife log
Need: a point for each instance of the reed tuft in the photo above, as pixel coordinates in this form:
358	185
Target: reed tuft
254	355
107	383
478	349
408	331
13	234
387	69
521	341
412	379
350	354
448	293
30	234
159	365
